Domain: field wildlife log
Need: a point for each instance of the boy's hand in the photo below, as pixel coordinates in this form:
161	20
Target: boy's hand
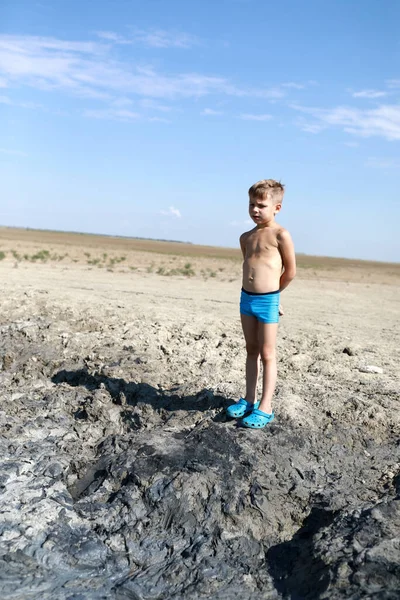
286	249
281	311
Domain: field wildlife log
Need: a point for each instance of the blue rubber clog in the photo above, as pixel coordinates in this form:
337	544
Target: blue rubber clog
257	419
241	409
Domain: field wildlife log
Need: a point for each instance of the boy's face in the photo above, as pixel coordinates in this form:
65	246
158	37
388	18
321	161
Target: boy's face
263	210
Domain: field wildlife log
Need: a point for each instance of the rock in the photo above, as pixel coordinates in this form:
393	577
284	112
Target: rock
349	351
370	369
347	554
129	482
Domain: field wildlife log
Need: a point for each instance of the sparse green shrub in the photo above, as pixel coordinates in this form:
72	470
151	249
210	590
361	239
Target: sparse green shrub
187	270
2	255
16	255
116	260
150	268
42	255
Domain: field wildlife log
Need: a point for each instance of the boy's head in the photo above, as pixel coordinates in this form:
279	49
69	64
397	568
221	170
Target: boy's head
265	200
267	188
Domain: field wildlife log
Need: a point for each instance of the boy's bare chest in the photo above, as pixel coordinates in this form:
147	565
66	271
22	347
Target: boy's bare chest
260	243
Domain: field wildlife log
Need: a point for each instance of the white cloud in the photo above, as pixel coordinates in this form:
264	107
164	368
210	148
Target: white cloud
210	112
309	127
158	120
248	117
383	121
383	163
12	152
152	38
112	114
270	94
31	45
159	38
30	105
111	36
240	223
152	105
312	127
87	69
369	94
10	102
393	83
120	102
172	212
294	86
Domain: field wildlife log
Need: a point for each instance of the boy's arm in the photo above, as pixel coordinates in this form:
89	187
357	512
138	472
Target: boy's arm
243	244
286	248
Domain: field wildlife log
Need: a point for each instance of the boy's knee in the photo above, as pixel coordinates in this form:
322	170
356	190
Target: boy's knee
252	349
267	354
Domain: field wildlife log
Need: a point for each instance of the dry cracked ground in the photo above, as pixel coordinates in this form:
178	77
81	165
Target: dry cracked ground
121	478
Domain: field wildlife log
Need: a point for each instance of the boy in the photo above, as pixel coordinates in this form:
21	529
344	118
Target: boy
269	265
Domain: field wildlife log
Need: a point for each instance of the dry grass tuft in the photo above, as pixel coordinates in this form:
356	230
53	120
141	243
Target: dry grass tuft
172	259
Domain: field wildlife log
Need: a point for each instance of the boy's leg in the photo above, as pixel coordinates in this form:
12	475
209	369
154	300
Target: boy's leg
267	341
250	331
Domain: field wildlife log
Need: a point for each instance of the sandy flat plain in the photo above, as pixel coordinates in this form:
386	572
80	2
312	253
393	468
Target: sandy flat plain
349	300
166	316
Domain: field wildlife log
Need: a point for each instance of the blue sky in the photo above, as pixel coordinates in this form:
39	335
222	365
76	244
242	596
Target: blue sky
152	118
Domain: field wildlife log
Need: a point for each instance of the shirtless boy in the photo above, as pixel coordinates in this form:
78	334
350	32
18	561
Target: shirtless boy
269	265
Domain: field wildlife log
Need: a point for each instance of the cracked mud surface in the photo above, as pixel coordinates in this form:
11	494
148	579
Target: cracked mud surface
121	477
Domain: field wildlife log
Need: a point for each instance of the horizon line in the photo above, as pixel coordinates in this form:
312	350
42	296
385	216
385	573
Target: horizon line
130	237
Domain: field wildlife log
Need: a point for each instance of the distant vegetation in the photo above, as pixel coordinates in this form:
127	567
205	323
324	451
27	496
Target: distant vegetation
187	270
117	244
106	261
169	258
123	237
42	256
169	247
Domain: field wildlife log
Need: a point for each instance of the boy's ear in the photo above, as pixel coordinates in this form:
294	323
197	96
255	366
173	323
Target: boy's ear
277	208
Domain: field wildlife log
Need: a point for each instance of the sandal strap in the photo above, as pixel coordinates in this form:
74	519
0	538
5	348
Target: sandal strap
260	413
242	402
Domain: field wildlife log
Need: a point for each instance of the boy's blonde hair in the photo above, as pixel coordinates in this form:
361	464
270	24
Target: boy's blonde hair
268	187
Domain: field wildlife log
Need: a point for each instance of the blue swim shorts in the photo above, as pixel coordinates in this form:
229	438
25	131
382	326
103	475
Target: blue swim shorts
264	307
